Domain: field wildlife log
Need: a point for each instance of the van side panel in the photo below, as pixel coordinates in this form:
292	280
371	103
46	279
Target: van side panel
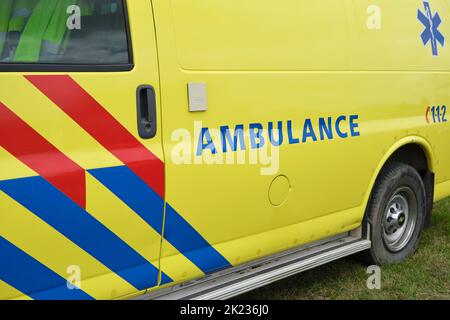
417	72
229	204
301	63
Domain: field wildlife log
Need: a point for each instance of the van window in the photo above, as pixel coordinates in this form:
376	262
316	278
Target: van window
63	32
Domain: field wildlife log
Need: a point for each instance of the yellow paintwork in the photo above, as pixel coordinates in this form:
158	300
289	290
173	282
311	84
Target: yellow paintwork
227	35
15	167
67	136
8	291
116	91
121	220
262	62
55	251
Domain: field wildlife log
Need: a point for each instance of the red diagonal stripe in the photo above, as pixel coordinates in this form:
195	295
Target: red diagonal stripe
102	126
27	145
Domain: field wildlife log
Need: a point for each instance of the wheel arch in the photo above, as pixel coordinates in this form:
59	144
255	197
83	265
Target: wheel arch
417	152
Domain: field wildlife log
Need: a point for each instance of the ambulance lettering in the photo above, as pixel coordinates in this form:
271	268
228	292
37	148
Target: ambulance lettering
257	136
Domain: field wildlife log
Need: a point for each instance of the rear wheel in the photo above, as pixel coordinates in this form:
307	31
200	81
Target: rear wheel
396	214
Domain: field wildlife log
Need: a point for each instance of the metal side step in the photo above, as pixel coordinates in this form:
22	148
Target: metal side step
236	281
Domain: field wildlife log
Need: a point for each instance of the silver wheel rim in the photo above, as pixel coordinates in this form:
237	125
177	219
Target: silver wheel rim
399	219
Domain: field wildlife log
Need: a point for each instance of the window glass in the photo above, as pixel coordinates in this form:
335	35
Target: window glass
63	32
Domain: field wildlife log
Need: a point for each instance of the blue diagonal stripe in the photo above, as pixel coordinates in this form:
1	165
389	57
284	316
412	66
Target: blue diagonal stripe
134	192
32	278
55	208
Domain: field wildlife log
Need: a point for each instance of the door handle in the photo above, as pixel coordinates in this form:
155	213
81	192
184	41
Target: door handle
146	112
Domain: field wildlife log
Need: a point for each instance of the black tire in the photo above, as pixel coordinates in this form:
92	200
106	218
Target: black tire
393	180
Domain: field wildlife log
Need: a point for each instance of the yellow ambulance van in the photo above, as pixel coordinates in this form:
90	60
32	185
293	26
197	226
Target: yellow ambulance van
174	149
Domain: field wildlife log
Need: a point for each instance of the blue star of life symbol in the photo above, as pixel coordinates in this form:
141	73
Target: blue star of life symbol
431	32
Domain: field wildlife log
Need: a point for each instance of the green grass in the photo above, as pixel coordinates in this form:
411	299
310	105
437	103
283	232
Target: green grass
425	275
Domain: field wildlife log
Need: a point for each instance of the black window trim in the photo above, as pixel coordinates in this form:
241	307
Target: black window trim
57	67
